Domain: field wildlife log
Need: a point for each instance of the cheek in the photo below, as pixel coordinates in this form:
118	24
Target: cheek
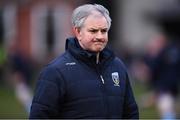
87	43
106	37
87	38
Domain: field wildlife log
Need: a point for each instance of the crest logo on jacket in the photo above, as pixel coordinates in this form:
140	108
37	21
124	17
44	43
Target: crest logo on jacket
115	78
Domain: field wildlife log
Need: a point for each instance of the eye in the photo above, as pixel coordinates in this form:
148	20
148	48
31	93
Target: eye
93	31
104	30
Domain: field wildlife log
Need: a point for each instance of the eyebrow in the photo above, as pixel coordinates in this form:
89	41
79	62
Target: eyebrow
98	29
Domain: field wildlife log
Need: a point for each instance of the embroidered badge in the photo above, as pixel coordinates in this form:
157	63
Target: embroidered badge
115	78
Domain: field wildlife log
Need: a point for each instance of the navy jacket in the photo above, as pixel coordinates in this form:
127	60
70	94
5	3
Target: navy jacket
74	86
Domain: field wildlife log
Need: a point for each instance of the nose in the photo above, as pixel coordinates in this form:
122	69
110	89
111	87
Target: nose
99	35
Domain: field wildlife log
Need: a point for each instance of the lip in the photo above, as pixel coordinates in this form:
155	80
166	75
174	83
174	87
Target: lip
98	42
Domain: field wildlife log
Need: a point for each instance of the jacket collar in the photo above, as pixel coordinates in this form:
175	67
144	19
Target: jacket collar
72	45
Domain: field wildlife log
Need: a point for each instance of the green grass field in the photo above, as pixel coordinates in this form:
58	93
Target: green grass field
150	112
9	105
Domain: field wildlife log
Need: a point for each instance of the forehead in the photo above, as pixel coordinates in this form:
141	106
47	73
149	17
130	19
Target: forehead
96	20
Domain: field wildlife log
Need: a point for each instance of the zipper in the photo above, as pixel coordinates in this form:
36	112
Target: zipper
102	79
104	95
97	63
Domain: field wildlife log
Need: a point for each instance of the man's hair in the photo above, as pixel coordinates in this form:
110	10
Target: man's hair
82	12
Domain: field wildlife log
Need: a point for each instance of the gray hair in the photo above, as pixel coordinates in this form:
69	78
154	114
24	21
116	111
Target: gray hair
82	12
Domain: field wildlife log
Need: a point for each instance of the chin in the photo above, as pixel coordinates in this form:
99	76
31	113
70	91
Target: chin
98	50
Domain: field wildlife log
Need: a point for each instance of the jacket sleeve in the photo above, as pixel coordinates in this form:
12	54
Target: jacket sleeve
48	95
130	108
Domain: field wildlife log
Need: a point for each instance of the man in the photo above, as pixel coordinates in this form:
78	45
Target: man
87	81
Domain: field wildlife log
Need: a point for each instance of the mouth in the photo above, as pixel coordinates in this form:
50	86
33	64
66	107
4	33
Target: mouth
99	43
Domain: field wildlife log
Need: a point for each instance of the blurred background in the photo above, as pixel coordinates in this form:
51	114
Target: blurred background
145	34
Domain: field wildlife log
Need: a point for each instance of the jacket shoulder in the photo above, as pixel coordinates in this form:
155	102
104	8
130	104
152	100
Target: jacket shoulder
53	69
120	63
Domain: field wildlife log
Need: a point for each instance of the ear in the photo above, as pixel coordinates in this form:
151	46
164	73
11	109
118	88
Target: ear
77	32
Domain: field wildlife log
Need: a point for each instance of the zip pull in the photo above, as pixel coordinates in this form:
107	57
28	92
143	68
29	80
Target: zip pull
102	79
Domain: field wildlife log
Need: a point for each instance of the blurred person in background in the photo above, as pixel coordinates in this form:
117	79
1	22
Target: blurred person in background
87	81
3	54
21	69
160	65
162	62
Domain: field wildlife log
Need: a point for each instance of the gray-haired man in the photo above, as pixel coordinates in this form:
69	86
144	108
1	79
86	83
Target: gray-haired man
87	81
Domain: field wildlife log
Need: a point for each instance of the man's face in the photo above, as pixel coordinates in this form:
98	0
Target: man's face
93	35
